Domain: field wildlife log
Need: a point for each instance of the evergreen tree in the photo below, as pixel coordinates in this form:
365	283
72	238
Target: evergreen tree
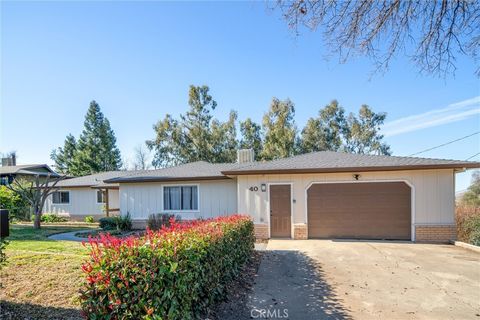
279	130
112	158
251	137
64	157
95	151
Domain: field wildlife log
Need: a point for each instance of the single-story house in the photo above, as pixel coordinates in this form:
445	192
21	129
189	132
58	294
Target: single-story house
315	195
84	196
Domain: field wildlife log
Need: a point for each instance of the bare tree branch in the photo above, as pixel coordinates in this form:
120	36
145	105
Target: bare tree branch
431	33
37	192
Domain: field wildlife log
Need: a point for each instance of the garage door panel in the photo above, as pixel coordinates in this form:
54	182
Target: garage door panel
359	210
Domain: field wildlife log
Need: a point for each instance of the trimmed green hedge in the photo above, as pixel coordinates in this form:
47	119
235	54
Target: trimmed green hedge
175	273
120	223
51	218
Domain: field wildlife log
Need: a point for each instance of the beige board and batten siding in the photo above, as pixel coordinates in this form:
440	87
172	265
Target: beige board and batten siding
434	201
83	202
216	198
113	199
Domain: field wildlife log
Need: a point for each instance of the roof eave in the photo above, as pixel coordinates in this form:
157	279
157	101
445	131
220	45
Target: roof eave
113	187
164	179
352	169
74	186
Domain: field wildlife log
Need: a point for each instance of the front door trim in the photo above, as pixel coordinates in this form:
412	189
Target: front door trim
291	206
408	183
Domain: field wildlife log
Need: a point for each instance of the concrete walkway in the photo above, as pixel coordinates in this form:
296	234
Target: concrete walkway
260	246
70	236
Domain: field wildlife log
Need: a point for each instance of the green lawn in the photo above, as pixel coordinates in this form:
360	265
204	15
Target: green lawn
42	276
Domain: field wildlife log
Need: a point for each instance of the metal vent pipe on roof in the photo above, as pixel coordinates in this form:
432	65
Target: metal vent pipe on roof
245	155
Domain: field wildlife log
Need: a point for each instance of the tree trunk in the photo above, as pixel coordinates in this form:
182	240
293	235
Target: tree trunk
36	222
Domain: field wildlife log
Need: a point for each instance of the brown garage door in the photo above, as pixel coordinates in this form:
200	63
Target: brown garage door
372	210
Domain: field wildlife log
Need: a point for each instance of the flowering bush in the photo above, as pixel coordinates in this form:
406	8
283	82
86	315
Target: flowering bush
174	273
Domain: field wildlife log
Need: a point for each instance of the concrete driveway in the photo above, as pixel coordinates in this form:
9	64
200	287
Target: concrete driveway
327	279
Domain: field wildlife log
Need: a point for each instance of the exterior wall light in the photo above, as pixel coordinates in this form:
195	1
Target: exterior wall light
356	176
263	187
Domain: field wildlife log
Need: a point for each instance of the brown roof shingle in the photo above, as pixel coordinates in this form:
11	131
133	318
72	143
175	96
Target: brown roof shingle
199	170
93	180
330	161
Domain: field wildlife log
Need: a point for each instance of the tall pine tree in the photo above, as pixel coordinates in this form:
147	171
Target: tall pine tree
96	149
64	157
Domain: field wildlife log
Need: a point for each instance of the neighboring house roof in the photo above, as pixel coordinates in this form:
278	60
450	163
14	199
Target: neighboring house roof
93	180
199	170
27	169
329	161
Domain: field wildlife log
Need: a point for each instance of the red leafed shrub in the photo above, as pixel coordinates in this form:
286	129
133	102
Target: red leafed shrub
174	273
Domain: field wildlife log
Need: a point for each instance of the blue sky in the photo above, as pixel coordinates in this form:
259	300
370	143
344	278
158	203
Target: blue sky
137	59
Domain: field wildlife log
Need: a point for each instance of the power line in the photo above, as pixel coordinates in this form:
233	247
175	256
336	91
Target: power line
444	144
476	154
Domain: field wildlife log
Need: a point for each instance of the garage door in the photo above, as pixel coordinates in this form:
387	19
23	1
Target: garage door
371	210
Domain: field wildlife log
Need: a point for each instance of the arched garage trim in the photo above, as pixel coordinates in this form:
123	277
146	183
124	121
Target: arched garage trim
408	183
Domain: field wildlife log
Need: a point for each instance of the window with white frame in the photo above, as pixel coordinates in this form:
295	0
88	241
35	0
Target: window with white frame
101	196
180	198
61	197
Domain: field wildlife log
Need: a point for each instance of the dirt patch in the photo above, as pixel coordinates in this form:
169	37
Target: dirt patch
237	292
